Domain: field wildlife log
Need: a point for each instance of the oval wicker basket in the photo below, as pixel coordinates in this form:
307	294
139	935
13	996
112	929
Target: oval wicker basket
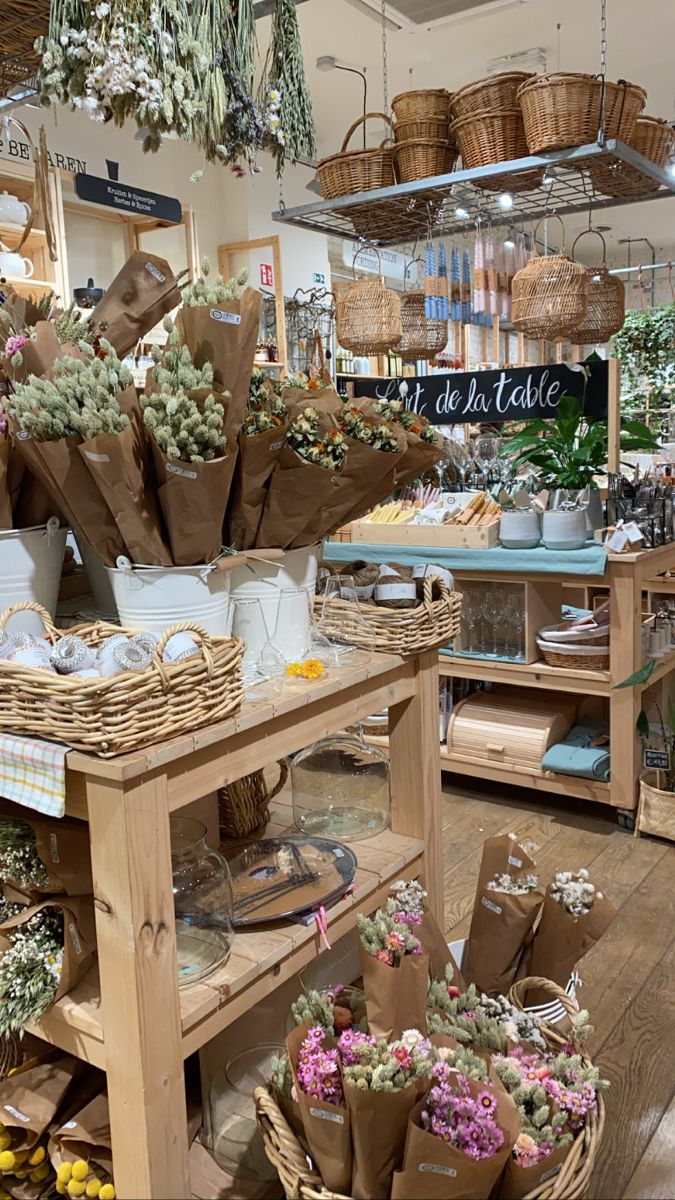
549	296
398	631
351	171
562	110
243	806
491	94
652	137
486	137
424	104
422	338
301	1182
422	158
430	127
368	318
565	634
118	713
580	657
656	812
606	308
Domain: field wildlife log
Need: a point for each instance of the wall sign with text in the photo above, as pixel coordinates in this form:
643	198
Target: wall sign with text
507	394
126	198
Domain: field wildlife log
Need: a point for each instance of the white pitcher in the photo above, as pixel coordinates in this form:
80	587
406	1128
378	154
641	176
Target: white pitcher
12	210
13	264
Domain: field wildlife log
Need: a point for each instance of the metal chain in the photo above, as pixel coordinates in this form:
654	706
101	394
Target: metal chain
603	68
282	201
385	80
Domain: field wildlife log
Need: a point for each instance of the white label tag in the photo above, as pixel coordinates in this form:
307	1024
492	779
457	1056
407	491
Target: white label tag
385	569
182	471
156	274
229	318
395	591
323	1115
618	541
493	907
632	532
97	457
437	1169
69	1125
515	862
277	445
54	848
363	591
23	435
15	1112
74	938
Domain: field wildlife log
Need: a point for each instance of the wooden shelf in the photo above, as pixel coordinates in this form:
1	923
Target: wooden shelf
545	781
260	362
26	286
36	237
535	675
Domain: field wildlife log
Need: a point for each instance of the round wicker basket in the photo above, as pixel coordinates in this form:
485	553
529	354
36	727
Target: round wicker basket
422	338
549	296
301	1182
425	104
486	137
352	171
580	658
652	137
431	127
606	308
398	631
562	110
492	94
243	806
422	158
368	318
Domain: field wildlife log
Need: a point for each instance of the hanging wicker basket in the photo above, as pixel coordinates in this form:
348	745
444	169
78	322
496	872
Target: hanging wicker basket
243	806
562	110
422	158
606	309
549	296
352	171
368	317
654	139
492	94
426	104
485	138
422	338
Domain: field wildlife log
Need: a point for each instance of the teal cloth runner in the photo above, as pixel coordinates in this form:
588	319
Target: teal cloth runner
576	755
591	560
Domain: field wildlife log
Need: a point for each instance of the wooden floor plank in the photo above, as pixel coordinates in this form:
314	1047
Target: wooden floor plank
653	1176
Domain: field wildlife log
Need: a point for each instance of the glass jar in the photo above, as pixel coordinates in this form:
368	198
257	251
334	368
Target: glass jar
232	1132
341	788
202	897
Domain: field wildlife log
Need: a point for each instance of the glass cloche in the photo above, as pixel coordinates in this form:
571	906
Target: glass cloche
341	788
202	896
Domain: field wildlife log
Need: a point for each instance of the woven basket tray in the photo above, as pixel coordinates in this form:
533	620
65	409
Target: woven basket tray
300	1182
119	713
397	631
582	657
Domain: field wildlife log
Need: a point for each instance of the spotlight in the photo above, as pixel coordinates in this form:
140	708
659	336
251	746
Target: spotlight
461	214
506	201
509	243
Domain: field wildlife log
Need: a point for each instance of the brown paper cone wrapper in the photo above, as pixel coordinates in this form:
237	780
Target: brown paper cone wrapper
327	1127
34	504
193	498
116	464
500	929
41	352
518	1182
139	296
418	458
436	946
396	997
87	1136
379	1121
295	490
324	400
503	856
12	471
561	940
258	456
226	337
79	935
37	1091
361	472
63	847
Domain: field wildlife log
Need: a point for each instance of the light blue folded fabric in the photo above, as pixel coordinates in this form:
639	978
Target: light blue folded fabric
577	755
590	560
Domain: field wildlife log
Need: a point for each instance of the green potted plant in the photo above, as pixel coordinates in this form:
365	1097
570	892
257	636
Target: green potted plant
656	812
645	347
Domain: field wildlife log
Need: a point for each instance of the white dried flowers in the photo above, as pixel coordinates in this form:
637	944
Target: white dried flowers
574	892
78	400
513	885
184	425
211	293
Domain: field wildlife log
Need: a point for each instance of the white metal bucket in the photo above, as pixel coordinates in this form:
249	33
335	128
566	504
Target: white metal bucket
155	597
553	1012
99	582
31	563
265	582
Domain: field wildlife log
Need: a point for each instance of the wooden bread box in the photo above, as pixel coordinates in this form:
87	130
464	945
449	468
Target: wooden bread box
509	726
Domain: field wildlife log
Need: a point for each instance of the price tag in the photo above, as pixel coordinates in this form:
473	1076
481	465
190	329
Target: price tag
618	541
660	759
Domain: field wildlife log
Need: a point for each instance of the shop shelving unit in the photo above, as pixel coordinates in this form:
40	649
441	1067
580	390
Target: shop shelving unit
128	1016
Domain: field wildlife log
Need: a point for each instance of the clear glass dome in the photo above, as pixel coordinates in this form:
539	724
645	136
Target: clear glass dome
233	1134
341	788
202	896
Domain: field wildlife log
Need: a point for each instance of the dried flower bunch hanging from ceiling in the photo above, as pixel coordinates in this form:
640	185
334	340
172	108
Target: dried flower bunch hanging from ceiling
185	67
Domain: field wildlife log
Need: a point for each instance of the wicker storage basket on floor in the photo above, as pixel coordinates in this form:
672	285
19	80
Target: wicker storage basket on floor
301	1182
652	137
397	631
422	158
243	806
656	811
352	171
422	338
425	104
562	110
368	318
119	713
606	309
549	296
486	137
492	94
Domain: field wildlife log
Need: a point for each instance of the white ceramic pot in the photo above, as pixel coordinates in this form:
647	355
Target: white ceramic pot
12	210
594	511
564	529
520	529
14	264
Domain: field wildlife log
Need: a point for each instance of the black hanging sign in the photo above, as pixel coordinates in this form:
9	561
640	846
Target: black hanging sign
507	394
126	198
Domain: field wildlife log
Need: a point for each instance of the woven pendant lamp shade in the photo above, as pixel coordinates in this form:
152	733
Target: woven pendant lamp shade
606	309
550	297
421	338
368	318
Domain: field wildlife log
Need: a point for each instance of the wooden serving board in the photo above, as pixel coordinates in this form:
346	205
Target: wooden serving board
466	537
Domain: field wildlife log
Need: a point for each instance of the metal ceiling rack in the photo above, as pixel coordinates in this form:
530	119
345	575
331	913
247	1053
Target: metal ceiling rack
401	213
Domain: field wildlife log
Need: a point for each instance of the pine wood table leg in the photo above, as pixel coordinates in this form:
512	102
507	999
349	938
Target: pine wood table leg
136	936
415	758
625	657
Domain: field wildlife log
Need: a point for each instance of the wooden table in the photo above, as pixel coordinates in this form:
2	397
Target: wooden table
128	1016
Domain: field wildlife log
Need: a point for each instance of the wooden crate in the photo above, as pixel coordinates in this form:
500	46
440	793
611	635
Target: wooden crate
509	726
464	537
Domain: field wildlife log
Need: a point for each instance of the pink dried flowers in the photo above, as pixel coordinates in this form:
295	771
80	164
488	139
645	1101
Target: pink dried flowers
386	939
318	1070
459	1118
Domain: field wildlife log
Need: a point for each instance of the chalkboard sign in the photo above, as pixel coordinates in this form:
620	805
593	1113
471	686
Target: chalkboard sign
657	758
507	394
126	198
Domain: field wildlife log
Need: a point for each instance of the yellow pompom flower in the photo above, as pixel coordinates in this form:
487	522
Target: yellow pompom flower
60	1187
5	1141
38	1156
7	1160
64	1172
93	1188
80	1170
76	1188
107	1192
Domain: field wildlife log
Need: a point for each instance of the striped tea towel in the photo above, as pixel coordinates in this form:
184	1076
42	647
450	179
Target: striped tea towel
33	773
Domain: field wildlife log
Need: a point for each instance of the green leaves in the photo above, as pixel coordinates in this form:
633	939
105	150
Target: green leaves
641	676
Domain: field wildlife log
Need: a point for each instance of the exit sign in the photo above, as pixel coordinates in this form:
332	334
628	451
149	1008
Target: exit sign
318	277
266	276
